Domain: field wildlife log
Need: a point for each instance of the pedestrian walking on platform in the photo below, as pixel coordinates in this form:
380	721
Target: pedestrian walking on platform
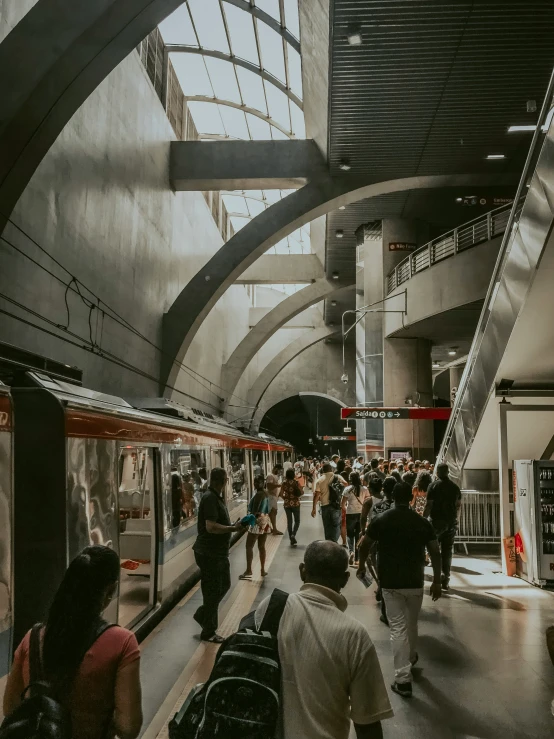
259	507
402	536
329	667
211	551
444	500
291	492
331	510
273	487
353	499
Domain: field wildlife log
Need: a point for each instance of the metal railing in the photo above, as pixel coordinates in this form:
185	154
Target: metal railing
479	521
473	391
481	229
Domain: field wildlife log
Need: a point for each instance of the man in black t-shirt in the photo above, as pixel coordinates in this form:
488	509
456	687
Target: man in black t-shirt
443	505
402	535
211	551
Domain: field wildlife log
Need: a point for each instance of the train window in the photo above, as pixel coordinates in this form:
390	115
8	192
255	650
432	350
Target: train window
189	479
237	490
137	533
258	465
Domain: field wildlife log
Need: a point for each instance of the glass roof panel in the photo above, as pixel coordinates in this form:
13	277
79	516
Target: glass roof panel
271	45
291	17
239	222
270	6
259	130
252	89
234	121
278	106
208	21
177	28
192	75
241	30
295	72
207	118
255	207
223	79
235	203
298	125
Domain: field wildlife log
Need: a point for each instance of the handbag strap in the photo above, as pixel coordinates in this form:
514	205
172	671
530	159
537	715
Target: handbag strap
274	612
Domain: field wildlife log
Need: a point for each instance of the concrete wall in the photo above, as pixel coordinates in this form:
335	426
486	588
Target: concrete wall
317	370
100	204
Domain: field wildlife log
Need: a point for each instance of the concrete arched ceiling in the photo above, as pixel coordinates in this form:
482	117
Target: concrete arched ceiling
68	48
276	318
283	358
315	199
267	406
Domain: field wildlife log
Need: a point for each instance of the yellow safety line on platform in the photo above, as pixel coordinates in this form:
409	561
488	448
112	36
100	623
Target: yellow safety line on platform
198	669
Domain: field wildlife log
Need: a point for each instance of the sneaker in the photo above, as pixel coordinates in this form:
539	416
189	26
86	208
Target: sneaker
415	660
445	584
293	541
403	689
351	558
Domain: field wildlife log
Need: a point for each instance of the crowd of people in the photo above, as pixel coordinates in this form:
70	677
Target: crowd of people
386	519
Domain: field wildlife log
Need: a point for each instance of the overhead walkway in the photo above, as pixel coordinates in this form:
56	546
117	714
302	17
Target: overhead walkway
513	347
442	285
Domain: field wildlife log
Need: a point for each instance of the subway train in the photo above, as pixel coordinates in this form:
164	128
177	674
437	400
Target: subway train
79	467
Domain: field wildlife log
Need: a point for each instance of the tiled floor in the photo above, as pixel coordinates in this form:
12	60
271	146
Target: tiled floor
483	673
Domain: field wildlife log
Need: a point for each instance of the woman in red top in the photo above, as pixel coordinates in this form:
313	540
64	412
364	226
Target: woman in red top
291	492
98	684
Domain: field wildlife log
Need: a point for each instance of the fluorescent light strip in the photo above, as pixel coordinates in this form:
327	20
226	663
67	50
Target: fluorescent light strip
496	156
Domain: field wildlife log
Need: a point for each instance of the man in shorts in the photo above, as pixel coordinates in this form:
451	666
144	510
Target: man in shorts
273	487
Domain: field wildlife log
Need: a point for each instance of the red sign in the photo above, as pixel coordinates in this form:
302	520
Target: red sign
338	438
402	246
412	413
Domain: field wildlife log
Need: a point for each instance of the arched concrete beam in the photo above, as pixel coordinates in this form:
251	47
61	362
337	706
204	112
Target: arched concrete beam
284	357
267	406
66	50
239	360
315	199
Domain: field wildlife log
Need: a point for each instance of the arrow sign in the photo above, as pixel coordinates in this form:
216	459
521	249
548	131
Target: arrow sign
394	414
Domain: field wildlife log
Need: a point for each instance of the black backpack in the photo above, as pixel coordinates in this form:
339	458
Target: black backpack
241	699
336	489
40	715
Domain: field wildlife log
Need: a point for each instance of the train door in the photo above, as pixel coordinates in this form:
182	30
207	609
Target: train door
237	482
258	464
138	482
218	458
249	472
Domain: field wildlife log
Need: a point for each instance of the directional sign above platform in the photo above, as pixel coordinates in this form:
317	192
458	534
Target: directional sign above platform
397	414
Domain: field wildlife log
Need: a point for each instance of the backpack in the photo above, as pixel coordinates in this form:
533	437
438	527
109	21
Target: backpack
336	489
241	698
40	715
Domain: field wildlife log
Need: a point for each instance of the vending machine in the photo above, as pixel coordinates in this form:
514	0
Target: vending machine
533	488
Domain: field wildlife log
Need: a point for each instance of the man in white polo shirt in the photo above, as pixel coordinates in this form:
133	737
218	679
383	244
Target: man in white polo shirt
330	670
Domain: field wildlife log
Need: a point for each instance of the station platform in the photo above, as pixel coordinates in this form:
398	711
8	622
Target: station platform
484	671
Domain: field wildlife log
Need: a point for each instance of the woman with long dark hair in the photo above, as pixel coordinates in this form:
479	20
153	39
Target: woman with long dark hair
291	492
353	499
92	668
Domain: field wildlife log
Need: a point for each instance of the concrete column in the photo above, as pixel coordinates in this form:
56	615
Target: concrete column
408	381
378	260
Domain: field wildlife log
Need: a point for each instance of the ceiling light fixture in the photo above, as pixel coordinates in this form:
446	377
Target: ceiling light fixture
339	233
345	165
342	207
436	365
496	156
335	275
333	303
452	351
354	34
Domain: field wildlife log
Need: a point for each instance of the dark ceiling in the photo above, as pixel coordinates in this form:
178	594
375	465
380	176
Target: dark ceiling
432	89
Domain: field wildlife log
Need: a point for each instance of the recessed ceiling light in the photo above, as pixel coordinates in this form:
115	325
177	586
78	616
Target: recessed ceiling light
333	303
459	200
436	365
496	156
345	165
354	38
452	351
342	207
335	275
339	233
